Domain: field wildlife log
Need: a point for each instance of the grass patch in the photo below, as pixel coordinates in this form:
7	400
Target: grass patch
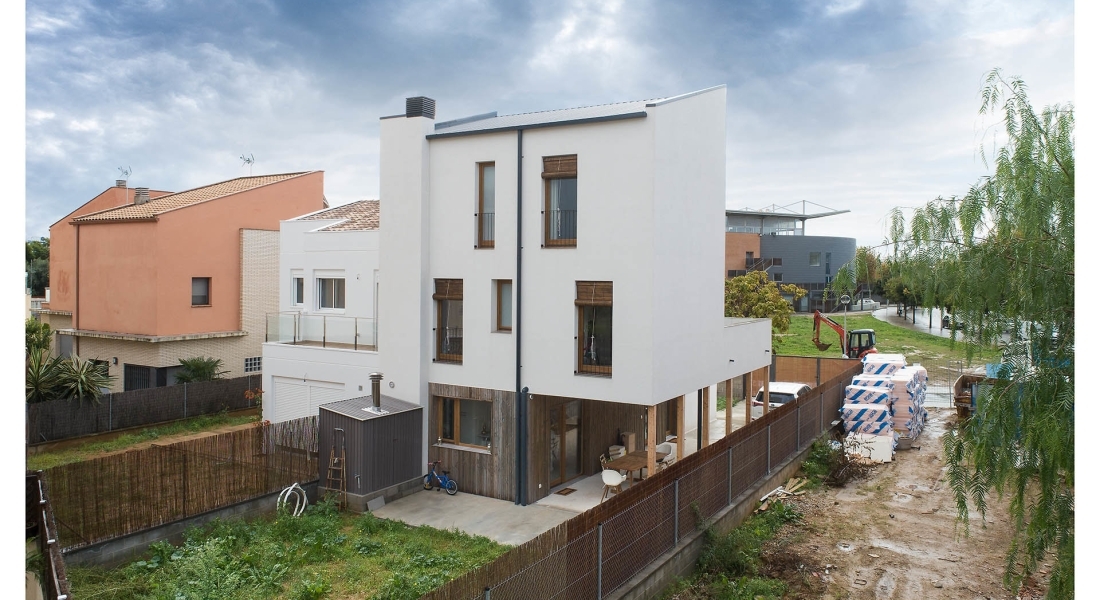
730	565
322	554
798	340
45	460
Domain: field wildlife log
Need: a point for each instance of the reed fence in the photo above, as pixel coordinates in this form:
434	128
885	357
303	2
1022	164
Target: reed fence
598	551
62	419
104	498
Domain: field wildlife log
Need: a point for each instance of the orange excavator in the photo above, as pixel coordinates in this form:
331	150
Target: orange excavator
855	344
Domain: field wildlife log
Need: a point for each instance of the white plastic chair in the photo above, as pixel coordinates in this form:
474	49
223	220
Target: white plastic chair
612	482
666	448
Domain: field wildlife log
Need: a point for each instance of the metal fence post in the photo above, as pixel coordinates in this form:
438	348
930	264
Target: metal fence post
185	483
676	512
185	400
821	412
769	448
798	427
486	592
110	411
729	476
599	561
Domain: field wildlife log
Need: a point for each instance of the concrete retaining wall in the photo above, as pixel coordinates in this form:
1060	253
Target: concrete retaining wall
680	561
118	551
358	502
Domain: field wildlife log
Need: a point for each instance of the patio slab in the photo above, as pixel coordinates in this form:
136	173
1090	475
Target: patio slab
499	520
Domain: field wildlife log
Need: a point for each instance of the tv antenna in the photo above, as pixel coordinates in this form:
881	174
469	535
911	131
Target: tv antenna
248	160
125	172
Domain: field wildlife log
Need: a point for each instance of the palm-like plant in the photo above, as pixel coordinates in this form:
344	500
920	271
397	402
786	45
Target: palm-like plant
43	375
200	368
82	379
38	336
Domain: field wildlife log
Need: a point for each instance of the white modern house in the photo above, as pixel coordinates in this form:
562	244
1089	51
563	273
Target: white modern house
322	345
546	284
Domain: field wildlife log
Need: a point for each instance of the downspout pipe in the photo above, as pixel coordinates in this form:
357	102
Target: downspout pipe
521	392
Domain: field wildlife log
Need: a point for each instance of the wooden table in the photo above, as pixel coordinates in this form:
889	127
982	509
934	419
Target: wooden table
634	461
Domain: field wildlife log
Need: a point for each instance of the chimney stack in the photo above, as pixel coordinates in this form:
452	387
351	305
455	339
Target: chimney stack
120	183
141	195
420	106
376	390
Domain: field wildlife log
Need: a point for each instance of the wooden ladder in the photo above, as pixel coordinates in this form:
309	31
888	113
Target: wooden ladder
337	472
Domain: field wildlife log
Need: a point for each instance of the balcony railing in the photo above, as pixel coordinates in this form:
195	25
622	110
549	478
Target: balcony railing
325	331
561	228
762	264
486	236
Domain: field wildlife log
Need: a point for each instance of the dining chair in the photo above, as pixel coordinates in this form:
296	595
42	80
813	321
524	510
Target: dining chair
612	482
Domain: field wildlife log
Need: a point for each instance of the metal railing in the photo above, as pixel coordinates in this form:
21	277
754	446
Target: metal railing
486	229
561	227
41	521
326	331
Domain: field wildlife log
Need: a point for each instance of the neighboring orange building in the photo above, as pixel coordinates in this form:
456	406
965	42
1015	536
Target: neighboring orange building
141	279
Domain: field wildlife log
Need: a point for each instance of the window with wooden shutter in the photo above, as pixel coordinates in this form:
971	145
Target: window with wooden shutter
594	305
560	212
448	330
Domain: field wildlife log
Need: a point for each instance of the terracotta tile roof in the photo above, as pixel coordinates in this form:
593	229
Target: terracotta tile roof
171	202
358	216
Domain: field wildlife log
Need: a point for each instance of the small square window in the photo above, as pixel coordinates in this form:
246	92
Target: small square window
253	364
777	277
200	291
815	259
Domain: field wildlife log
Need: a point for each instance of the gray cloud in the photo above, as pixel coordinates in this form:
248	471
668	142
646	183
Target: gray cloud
852	104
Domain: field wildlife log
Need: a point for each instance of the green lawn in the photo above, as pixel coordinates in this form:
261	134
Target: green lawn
322	554
45	460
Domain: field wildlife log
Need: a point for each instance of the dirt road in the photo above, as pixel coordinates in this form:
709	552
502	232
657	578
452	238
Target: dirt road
894	536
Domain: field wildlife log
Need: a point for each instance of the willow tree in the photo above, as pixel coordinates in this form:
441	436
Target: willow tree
1003	255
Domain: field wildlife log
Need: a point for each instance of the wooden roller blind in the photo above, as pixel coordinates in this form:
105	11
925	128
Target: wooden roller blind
559	167
448	289
593	293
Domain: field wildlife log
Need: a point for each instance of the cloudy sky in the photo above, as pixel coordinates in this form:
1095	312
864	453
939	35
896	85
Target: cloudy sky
849	104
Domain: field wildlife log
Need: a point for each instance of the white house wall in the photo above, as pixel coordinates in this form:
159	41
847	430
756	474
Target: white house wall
311	366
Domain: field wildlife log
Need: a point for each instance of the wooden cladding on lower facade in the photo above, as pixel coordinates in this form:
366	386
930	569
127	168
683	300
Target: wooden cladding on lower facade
485	472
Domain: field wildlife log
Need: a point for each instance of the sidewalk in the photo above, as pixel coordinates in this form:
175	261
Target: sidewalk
890	315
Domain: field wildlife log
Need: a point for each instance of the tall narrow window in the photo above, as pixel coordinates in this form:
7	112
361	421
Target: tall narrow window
828	259
298	291
200	291
560	213
448	328
486	204
330	293
594	299
504	305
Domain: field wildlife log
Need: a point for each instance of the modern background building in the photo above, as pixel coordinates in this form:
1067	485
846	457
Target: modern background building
774	240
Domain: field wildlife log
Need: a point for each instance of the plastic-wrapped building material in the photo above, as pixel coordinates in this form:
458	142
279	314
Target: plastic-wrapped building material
854	394
883	364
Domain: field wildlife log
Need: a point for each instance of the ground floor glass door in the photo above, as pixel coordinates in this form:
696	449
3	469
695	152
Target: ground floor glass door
565	442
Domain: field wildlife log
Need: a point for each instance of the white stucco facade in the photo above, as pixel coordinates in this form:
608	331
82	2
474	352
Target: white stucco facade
316	352
650	194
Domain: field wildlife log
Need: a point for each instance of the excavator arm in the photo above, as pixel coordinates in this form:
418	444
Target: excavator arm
818	320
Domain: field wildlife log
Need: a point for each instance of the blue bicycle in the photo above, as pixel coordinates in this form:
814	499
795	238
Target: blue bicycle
433	479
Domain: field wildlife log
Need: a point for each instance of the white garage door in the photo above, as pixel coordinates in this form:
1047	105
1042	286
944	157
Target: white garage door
295	398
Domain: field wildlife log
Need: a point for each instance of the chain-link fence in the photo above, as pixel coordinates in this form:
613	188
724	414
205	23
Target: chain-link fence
597	552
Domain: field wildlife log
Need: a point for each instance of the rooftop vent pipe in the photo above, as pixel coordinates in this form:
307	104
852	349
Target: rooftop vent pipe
376	394
141	195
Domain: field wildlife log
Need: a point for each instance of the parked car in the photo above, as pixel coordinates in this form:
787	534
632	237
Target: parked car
949	321
779	393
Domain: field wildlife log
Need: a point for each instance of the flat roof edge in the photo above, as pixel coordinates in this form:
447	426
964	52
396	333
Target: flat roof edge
684	96
633	115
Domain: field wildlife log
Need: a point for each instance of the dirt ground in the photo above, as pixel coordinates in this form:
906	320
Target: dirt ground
894	535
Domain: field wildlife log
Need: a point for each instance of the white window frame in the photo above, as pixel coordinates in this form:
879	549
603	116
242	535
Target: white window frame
319	298
295	277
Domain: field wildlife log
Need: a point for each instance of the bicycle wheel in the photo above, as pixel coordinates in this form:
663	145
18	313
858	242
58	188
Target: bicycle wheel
452	487
428	481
